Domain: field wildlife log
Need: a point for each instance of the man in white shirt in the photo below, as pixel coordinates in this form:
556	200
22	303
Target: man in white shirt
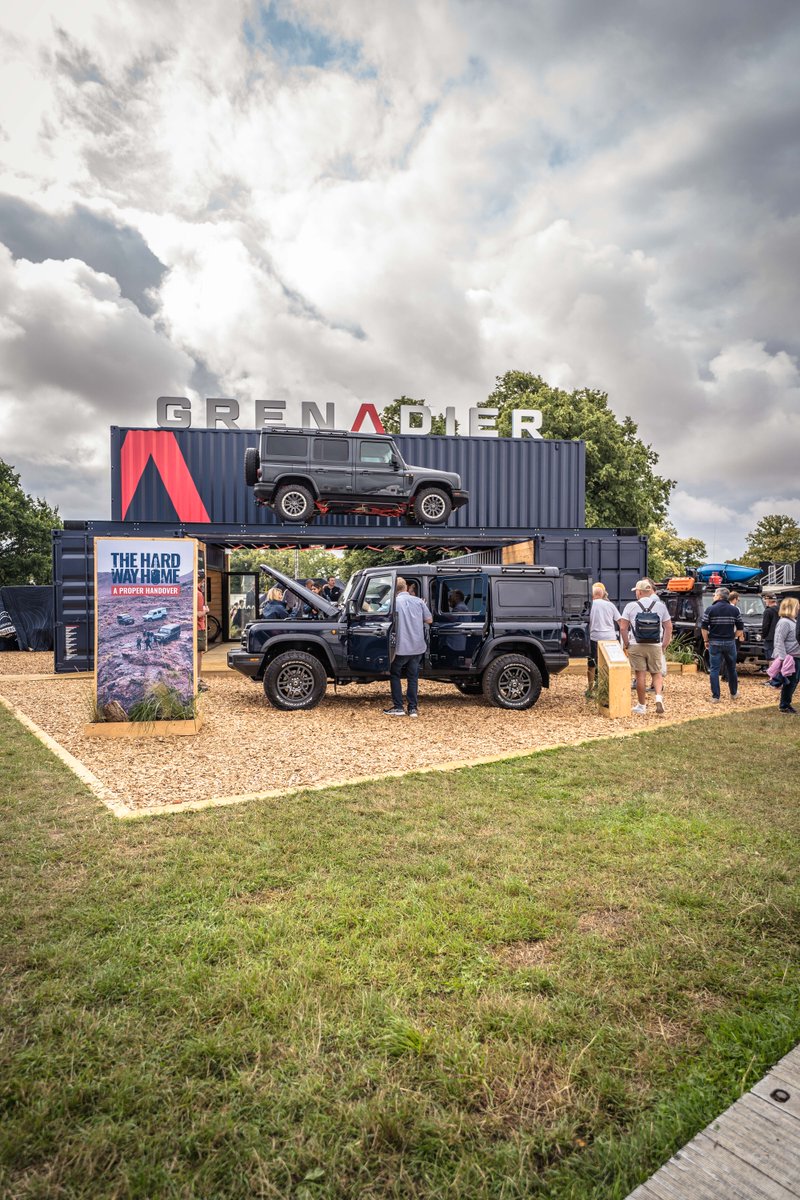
646	639
411	616
602	628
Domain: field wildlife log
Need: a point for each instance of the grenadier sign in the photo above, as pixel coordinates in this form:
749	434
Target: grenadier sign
175	412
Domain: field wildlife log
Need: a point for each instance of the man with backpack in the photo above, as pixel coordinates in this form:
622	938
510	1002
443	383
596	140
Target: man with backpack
646	630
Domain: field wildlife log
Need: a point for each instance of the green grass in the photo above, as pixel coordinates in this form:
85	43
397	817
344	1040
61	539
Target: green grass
533	979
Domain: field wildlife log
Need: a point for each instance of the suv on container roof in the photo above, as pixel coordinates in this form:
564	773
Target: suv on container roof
496	630
302	472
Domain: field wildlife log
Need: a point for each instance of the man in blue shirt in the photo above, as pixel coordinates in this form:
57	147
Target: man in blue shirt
411	617
721	625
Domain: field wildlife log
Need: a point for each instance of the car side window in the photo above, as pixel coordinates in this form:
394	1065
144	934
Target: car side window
372	454
331	450
461	595
281	445
378	595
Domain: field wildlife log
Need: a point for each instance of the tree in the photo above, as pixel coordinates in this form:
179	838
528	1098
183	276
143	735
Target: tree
390	417
775	539
669	554
621	485
315	563
357	559
25	528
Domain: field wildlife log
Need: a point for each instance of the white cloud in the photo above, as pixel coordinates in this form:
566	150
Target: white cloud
355	200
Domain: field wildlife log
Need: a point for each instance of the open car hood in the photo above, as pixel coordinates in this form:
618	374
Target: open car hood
324	606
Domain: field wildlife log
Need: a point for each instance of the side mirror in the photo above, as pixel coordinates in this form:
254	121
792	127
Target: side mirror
395	463
351	608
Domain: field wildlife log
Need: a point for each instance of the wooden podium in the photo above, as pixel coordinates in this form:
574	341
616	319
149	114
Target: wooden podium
613	680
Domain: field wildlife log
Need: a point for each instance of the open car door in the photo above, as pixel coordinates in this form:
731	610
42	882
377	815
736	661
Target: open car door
370	626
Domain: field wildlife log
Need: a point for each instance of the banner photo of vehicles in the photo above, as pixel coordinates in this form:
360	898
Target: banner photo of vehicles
145	619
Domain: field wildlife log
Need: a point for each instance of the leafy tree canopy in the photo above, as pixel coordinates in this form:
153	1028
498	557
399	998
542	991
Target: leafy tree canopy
25	528
775	539
669	554
357	559
314	563
622	487
390	417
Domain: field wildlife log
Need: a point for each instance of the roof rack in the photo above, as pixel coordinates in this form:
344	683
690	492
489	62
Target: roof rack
314	432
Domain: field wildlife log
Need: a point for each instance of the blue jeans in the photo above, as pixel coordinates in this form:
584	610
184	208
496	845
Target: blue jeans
411	664
718	653
789	685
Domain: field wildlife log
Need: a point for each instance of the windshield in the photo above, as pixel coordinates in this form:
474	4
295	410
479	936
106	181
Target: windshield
348	588
751	606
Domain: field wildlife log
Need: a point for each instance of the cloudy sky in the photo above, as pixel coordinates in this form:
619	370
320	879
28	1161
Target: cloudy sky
350	200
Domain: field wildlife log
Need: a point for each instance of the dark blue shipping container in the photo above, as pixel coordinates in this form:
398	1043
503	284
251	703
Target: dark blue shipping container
617	560
196	476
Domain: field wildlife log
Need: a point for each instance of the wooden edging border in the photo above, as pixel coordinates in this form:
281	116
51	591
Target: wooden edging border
95	785
125	813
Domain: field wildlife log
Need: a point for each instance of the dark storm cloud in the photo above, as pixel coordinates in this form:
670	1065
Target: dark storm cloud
117	250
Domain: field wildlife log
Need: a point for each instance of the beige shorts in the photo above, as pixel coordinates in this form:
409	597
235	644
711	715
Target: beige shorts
202	641
646	656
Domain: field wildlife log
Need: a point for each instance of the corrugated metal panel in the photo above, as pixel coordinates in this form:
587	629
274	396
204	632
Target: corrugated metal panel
513	482
615	561
73	594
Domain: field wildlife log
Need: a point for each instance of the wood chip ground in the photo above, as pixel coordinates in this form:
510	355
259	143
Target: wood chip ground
246	746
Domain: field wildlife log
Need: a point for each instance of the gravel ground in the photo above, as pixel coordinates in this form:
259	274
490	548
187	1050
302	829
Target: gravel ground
247	746
26	662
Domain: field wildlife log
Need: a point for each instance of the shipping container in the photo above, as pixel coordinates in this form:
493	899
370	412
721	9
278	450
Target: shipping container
196	476
616	559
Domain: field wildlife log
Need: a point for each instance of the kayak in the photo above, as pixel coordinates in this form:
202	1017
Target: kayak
730	572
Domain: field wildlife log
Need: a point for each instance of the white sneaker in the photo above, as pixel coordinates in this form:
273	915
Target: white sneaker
660	705
640	710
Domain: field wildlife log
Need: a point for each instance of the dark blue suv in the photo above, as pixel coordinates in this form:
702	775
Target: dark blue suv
497	630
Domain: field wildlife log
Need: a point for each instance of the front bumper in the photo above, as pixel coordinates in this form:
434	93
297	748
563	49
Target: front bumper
245	663
460	499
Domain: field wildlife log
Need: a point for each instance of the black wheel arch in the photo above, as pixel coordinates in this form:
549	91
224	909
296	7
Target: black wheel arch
441	484
514	645
295	477
307	645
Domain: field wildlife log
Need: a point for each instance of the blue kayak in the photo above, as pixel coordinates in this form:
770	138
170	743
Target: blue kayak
730	572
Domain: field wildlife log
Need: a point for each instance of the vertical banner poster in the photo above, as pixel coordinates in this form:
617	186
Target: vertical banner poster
145	619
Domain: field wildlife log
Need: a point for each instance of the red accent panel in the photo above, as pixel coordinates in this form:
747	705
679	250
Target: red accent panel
161	445
367	410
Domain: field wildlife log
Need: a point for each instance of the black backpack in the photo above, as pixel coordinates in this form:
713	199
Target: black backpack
647	624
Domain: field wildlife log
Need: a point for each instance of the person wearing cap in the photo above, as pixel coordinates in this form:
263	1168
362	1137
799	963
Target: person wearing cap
643	655
721	626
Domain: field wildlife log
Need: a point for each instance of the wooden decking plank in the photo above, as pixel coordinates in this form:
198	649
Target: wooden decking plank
736	1172
750	1152
757	1142
772	1083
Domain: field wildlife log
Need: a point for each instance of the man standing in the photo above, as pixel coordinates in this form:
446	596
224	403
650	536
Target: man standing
721	625
603	619
768	623
646	629
332	591
411	617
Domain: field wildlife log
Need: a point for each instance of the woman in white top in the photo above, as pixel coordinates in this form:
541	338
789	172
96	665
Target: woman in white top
603	616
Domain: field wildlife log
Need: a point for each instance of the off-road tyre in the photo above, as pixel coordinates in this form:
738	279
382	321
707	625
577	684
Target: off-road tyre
512	681
294	681
432	506
252	461
294	503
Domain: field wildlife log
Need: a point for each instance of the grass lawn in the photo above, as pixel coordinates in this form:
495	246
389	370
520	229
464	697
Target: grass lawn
533	979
